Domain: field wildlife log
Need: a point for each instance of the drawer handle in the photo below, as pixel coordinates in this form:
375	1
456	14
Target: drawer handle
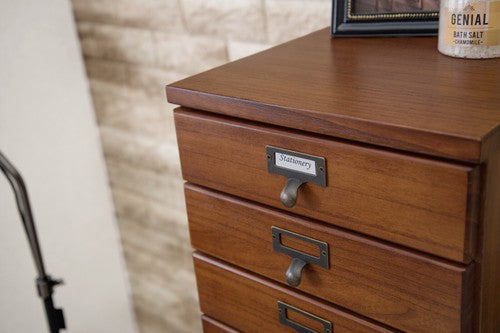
299	168
283	309
290	192
300	259
293	274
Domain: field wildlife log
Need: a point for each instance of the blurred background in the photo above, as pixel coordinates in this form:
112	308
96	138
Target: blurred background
83	115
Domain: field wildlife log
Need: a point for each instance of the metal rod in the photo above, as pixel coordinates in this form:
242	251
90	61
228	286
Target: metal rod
23	204
44	283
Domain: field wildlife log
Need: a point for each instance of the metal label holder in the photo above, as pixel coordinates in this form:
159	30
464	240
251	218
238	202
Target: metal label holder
297	175
283	308
300	259
320	170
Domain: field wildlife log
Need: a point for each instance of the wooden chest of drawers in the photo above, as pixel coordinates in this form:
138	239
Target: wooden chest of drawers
344	185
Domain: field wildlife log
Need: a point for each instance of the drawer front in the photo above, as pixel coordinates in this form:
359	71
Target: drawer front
407	200
250	303
402	289
211	325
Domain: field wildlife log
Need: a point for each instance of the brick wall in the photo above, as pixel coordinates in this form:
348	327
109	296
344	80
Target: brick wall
132	48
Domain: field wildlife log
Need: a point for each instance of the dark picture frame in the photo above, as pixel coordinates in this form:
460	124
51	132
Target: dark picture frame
349	22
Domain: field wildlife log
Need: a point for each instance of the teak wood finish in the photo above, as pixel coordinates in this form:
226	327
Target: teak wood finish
393	286
250	303
393	92
408	200
411	140
488	272
211	325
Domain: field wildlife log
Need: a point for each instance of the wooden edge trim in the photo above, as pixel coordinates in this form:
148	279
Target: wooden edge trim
331	125
223	327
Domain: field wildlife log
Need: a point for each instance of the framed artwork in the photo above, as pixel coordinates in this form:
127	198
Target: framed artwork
359	18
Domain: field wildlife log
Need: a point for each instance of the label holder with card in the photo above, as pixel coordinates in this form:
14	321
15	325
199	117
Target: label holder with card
299	168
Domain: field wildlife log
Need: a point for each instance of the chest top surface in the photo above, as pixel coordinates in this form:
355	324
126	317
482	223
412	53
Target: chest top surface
399	93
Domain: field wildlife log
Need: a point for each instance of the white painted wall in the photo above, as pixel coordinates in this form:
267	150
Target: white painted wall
47	129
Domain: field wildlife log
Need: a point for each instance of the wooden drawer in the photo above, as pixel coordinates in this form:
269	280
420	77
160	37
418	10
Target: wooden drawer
402	289
211	325
416	202
250	303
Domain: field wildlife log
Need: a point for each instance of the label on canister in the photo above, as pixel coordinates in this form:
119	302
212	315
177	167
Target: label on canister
472	23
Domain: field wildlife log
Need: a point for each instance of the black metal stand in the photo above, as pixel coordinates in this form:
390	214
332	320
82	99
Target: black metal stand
44	283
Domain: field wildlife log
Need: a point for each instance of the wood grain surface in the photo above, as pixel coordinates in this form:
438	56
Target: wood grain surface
393	92
488	267
404	290
248	302
211	325
420	203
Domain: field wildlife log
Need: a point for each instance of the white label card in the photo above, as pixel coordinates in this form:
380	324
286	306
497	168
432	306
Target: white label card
295	163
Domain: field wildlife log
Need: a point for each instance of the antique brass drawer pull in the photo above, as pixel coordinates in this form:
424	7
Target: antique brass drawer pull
299	168
283	309
290	193
300	259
